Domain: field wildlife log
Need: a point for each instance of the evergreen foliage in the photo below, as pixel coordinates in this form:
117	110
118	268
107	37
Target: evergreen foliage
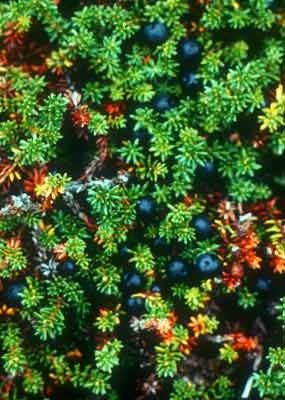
115	139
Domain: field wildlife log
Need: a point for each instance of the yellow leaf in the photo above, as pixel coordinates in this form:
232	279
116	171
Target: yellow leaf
279	93
11	176
18	176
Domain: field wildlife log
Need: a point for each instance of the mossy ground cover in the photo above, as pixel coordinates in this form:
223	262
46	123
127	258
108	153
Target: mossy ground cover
142	182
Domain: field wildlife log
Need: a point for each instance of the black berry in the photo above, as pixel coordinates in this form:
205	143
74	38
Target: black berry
206	171
190	82
67	268
202	226
13	294
135	305
177	269
163	102
263	285
189	51
124	253
146	208
155	33
155	288
207	264
160	246
132	281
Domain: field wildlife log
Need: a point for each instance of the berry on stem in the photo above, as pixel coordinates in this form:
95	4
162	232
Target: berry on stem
135	305
190	82
206	171
263	285
189	50
177	269
163	102
160	245
155	33
13	294
146	208
132	281
202	226
124	253
67	268
155	288
207	264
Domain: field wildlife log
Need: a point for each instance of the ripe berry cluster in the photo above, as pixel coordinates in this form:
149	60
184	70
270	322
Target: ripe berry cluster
142	251
189	52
